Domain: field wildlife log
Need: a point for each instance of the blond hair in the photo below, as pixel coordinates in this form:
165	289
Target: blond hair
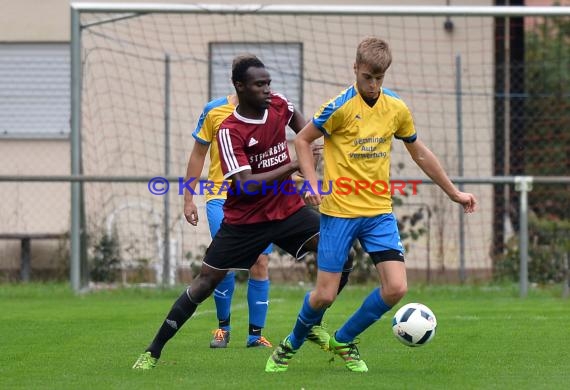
374	52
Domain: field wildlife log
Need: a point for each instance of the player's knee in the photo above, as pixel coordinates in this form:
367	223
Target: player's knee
323	299
260	270
328	300
198	291
394	292
204	284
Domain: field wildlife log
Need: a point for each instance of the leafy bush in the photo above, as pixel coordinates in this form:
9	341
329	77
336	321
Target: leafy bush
548	251
106	259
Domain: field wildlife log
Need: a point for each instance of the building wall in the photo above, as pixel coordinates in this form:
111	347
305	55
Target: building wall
48	20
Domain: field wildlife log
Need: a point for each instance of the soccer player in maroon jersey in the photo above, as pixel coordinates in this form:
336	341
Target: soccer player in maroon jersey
262	205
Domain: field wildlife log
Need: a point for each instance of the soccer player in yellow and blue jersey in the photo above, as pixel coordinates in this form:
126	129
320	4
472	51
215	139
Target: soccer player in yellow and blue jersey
214	113
358	127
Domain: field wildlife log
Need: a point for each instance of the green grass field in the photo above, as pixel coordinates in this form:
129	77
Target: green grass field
487	338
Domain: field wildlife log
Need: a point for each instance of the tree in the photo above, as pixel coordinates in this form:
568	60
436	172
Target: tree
547	135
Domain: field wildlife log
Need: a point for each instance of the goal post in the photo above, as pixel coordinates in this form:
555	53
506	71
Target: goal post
142	73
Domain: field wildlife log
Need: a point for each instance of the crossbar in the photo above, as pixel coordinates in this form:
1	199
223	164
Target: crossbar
507	11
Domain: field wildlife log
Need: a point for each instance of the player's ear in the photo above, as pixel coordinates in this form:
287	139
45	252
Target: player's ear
239	86
355	67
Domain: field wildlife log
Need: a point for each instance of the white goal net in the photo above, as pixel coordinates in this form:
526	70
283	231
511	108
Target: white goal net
147	73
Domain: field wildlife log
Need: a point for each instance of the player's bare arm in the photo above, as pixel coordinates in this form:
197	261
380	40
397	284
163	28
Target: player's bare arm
194	169
431	166
297	121
304	151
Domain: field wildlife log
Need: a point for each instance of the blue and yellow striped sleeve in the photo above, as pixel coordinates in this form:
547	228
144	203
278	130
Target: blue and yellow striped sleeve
406	130
205	131
329	117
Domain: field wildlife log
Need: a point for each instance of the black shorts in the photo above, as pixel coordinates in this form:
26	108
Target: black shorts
238	246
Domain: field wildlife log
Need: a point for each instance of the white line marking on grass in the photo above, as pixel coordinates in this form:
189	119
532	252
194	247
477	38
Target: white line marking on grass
505	317
467	318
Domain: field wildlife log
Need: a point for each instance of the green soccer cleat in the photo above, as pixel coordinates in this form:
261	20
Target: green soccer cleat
279	359
349	353
145	362
221	338
319	336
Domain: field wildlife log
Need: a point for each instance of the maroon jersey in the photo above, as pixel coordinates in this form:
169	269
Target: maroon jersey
259	145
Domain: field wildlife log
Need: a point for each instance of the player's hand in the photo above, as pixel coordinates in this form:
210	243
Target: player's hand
191	212
467	200
313	198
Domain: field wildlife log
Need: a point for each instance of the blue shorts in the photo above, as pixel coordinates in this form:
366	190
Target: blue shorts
215	215
376	234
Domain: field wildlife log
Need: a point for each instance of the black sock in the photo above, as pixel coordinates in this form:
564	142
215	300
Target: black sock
224	323
182	309
343	281
254	330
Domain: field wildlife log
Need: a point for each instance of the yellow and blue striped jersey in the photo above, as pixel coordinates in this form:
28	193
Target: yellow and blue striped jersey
357	149
215	112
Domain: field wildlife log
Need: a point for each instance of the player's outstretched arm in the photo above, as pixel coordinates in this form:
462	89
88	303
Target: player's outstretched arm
303	142
429	163
194	170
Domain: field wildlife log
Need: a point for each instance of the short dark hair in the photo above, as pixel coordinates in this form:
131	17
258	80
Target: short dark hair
242	63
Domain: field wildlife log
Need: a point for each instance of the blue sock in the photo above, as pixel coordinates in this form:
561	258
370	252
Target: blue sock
258	303
223	295
305	321
371	310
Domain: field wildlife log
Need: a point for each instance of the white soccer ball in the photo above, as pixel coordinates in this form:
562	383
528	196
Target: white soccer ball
414	324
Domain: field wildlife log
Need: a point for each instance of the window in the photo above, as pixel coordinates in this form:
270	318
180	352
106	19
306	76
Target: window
34	90
282	60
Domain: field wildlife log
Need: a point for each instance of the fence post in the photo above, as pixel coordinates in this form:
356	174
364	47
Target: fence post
75	261
523	184
566	280
460	170
166	256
